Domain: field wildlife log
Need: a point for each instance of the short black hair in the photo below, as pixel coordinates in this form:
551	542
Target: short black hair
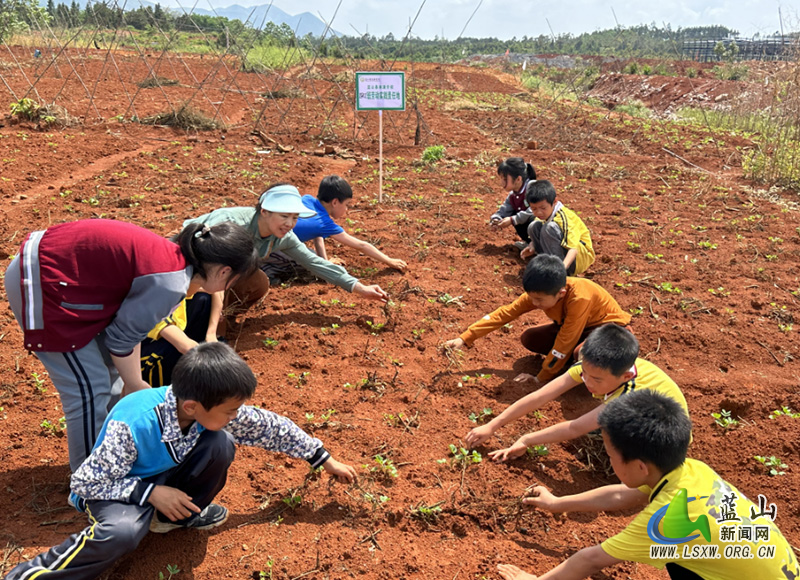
540	191
545	274
648	426
612	348
211	373
334	187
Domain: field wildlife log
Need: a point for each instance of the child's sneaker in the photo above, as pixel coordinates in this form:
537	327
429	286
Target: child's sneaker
214	515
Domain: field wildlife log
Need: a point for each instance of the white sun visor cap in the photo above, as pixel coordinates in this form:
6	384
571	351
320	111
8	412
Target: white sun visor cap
285	199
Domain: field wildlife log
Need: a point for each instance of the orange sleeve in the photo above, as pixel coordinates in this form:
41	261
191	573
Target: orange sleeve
577	313
496	319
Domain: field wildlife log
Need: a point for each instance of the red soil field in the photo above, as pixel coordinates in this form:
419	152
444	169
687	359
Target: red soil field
667	204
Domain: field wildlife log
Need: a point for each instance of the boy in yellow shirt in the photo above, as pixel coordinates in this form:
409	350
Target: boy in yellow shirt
609	368
557	230
693	522
575	306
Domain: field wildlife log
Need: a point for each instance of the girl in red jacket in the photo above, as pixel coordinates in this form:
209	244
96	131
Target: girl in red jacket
86	293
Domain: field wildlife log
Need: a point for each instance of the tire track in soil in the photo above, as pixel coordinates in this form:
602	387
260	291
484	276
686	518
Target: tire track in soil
73	176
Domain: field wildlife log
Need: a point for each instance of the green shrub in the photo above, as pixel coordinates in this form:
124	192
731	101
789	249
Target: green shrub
433	154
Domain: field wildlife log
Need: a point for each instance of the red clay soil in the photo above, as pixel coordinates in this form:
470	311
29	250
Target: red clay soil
668	209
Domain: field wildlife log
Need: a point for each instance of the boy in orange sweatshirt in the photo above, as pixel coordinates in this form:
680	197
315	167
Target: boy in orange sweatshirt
575	307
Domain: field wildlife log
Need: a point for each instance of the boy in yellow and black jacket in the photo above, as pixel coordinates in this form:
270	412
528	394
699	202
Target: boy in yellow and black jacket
557	230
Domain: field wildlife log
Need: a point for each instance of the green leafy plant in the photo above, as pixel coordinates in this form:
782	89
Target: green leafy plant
384	466
668	287
299	379
375	327
25	109
331	329
267	574
774	465
482	416
38	382
270	342
538	451
293	501
426	513
461	457
172	570
448	300
724	420
784	411
433	154
57	428
707	245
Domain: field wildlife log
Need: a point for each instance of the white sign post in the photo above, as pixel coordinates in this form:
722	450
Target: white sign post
380	91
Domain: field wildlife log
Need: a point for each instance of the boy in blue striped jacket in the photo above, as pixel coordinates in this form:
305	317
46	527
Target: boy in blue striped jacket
163	455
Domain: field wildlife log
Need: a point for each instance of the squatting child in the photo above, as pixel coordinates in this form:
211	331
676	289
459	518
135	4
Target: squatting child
686	505
609	368
575	306
515	176
333	200
163	455
557	230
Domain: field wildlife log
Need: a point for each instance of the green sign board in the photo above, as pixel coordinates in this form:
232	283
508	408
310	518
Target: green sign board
380	91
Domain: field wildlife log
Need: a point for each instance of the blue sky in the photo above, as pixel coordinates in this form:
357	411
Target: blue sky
505	19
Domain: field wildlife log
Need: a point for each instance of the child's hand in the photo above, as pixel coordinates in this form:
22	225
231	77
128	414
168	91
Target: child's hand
511	572
373	292
478	435
172	502
494	222
541	498
455	343
504	223
516	450
525	377
398	264
527	252
341	471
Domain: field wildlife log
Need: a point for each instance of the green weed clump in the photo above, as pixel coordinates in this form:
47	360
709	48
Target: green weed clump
433	154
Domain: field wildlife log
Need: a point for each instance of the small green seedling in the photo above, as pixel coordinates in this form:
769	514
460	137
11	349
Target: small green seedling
293	501
723	419
375	327
538	451
785	412
50	428
448	300
300	379
267	574
329	330
271	342
481	417
38	382
172	570
668	287
426	513
461	457
772	463
384	466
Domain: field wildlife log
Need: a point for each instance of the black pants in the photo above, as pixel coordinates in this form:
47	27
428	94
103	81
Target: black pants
116	528
159	357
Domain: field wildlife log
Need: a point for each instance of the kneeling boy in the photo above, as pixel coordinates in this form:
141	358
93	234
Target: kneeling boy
610	367
576	306
646	436
163	455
